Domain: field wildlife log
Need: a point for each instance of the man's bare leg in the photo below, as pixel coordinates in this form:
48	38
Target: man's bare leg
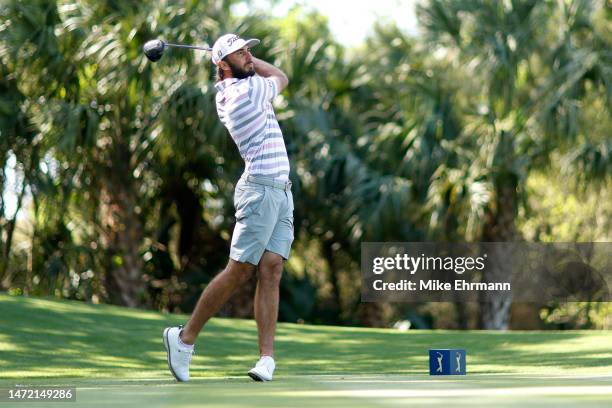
266	300
214	296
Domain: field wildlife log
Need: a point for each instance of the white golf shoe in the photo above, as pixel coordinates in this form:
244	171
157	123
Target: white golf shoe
179	356
263	370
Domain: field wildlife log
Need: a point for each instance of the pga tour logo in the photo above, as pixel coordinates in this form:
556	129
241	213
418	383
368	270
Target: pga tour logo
457	364
447	362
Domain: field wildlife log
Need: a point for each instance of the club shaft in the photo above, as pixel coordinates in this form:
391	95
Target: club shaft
188	46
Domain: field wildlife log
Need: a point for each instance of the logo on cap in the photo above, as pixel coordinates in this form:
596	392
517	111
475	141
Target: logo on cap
232	40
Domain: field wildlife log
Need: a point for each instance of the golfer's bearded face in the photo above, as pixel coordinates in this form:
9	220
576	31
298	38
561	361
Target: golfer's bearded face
241	63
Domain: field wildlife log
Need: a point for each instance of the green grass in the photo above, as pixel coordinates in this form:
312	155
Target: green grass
115	357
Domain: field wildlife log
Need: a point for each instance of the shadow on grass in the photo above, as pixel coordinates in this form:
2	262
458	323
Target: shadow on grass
407	353
49	338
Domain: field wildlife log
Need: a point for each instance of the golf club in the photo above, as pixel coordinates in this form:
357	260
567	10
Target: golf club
154	49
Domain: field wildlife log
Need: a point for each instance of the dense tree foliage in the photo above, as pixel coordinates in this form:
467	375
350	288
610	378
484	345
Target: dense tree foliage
124	175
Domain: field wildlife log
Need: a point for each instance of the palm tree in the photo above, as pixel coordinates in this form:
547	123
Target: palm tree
364	151
539	59
100	109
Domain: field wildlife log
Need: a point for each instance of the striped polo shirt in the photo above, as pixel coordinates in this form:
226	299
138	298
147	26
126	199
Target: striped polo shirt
245	108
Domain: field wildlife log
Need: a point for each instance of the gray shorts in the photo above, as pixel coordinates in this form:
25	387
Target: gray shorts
264	221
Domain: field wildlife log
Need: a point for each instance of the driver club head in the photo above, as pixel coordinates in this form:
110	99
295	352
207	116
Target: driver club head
154	50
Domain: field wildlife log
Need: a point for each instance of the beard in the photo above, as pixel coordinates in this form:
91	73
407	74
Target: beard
239	72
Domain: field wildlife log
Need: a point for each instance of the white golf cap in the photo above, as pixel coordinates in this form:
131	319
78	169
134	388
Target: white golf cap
228	43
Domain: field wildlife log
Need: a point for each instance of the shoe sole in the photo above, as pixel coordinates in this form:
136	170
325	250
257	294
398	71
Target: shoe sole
257	378
165	340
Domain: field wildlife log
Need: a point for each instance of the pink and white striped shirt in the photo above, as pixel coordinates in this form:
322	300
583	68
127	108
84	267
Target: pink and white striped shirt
245	108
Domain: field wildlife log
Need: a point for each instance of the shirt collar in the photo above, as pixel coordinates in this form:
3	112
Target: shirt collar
221	85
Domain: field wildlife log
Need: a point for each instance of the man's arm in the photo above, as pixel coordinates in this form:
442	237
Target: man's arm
268	70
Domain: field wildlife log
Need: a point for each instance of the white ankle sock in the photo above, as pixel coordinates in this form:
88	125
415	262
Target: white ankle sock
189	346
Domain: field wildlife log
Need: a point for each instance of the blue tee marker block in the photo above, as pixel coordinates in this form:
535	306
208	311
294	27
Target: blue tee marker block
446	362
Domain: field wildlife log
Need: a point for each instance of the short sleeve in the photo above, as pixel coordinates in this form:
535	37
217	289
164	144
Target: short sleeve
262	90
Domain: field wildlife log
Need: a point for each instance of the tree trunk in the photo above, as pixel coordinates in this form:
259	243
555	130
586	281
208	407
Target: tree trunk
500	227
371	314
463	320
329	256
123	227
124	237
5	273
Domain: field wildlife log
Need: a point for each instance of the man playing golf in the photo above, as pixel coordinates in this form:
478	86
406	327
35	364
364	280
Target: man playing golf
263	233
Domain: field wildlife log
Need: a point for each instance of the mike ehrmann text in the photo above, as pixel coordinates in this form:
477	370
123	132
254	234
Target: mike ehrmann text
436	285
